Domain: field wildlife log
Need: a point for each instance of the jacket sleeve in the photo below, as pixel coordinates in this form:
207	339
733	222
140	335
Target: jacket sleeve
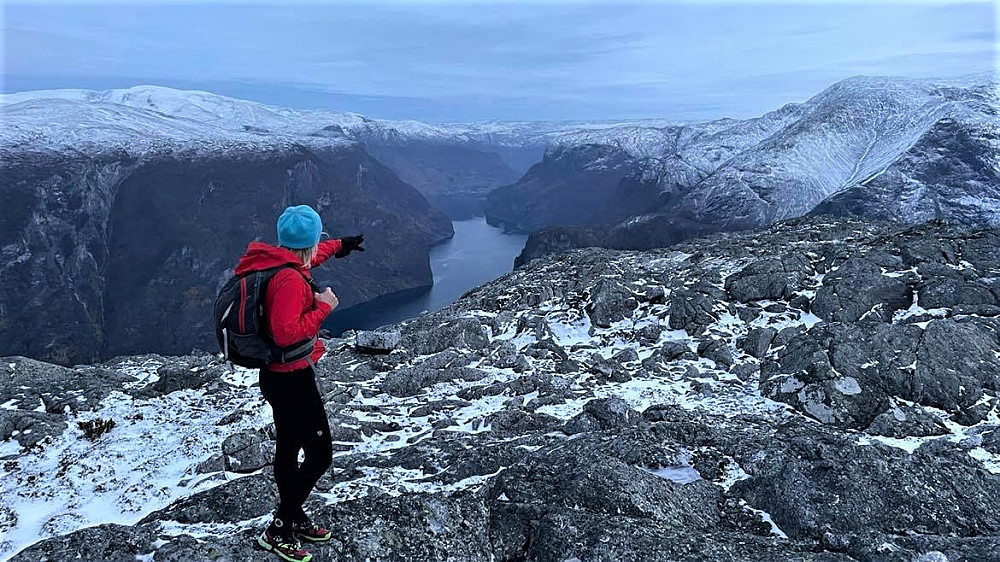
290	320
326	249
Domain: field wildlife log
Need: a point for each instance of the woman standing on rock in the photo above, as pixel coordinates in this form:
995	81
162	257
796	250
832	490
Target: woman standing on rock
294	310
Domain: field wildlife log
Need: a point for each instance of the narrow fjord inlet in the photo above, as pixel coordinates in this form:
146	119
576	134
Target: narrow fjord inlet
476	254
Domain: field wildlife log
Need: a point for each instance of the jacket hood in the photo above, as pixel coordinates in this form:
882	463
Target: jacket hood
260	255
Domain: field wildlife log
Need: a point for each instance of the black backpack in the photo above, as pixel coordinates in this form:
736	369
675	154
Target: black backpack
241	328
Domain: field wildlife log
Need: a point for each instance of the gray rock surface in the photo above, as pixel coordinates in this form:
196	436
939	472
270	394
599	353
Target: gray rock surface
377	341
844	373
247	451
499	429
769	278
462	333
902	420
239	500
758	341
610	303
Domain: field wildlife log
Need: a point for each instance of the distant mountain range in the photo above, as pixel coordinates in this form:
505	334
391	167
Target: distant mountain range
123	209
446	162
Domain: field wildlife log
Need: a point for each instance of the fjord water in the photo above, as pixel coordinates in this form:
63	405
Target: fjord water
476	254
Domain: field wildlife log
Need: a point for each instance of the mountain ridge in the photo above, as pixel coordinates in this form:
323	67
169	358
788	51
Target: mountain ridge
843	138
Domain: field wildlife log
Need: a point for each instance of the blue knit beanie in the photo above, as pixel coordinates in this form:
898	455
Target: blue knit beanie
299	227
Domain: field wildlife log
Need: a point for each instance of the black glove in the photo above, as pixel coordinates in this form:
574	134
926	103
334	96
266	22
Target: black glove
350	243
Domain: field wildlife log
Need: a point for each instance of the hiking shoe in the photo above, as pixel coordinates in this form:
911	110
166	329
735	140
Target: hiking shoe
284	547
311	531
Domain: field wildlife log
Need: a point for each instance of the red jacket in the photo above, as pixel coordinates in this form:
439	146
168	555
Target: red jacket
292	311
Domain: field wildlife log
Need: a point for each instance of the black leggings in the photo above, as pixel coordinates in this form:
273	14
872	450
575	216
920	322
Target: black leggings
300	424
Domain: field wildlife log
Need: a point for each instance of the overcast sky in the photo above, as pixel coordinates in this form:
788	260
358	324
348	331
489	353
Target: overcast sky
444	61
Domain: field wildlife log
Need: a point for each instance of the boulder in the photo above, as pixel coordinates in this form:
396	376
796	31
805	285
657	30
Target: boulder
758	341
247	451
521	422
377	341
691	311
902	420
672	350
857	289
717	351
176	376
603	414
459	333
29	428
409	381
610	302
769	278
445	359
506	355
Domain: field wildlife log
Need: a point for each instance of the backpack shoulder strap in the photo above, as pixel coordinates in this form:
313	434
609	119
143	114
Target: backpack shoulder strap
273	270
304	348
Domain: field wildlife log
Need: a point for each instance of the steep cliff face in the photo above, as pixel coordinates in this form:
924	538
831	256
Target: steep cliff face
120	245
54	251
176	227
569	187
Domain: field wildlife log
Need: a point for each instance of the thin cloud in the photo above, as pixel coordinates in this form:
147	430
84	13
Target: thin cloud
484	60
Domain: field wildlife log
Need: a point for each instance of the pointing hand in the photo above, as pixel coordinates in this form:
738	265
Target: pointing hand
350	243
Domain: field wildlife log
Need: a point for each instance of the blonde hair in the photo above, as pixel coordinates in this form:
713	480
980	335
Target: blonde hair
305	254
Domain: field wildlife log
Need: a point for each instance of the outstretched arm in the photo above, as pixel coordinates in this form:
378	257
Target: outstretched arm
326	249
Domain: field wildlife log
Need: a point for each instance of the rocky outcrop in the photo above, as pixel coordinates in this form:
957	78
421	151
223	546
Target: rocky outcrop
712	417
845	374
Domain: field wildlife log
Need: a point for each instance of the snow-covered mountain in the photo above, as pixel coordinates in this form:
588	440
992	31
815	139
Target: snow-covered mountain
885	147
231	114
732	174
444	161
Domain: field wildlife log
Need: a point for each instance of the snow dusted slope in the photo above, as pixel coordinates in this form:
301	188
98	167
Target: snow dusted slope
143	119
590	177
952	171
235	115
445	162
847	134
888	147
